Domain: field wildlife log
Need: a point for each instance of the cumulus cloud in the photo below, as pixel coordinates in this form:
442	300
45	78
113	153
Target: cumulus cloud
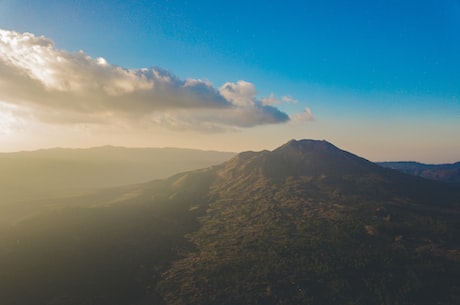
71	87
270	100
305	116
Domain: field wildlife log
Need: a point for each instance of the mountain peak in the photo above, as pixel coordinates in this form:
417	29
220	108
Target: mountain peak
312	158
307	145
318	157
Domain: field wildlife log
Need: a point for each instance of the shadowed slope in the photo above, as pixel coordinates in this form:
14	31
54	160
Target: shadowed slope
306	223
440	172
321	166
311	224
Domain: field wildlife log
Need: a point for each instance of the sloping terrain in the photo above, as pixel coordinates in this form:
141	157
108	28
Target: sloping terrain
440	172
29	179
44	173
306	223
311	224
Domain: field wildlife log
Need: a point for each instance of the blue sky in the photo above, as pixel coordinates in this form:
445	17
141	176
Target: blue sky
381	78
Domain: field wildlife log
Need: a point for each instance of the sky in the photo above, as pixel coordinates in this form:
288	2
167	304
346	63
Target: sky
378	78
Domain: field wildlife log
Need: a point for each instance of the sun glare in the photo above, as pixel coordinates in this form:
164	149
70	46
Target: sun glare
9	121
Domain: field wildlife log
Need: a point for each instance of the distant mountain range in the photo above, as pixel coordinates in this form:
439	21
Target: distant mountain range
306	223
32	175
440	172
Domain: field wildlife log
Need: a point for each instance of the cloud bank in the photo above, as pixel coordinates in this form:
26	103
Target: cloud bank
71	87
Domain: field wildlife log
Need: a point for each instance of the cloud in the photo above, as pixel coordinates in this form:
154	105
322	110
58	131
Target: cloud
242	93
289	99
11	118
64	87
272	100
305	116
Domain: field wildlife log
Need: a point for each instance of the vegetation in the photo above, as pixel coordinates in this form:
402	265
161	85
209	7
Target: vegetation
99	255
343	259
250	231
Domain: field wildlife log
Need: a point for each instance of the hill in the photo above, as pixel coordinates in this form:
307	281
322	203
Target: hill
26	178
306	223
440	172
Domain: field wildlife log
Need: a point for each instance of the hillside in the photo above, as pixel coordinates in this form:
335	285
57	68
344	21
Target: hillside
310	224
26	178
306	223
440	172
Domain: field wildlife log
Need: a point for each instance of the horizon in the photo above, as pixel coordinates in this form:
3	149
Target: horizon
380	80
209	150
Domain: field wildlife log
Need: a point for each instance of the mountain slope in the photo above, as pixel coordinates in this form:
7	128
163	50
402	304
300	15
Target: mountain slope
320	167
50	172
440	172
306	223
109	249
29	179
311	224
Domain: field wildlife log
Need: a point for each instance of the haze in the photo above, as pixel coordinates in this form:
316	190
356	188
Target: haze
380	79
229	152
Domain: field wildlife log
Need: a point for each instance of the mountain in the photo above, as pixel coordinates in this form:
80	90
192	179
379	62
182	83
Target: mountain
318	167
26	178
439	172
306	223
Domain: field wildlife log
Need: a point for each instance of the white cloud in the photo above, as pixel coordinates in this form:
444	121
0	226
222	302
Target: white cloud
305	116
289	99
10	118
242	93
272	100
71	87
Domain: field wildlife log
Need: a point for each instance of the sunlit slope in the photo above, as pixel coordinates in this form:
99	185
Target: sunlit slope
306	223
109	249
55	172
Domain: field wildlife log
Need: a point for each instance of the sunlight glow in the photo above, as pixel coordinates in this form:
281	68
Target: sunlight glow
33	58
9	121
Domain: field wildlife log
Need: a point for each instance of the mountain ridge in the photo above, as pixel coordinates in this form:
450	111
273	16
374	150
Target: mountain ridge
32	175
261	216
324	164
285	226
448	172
